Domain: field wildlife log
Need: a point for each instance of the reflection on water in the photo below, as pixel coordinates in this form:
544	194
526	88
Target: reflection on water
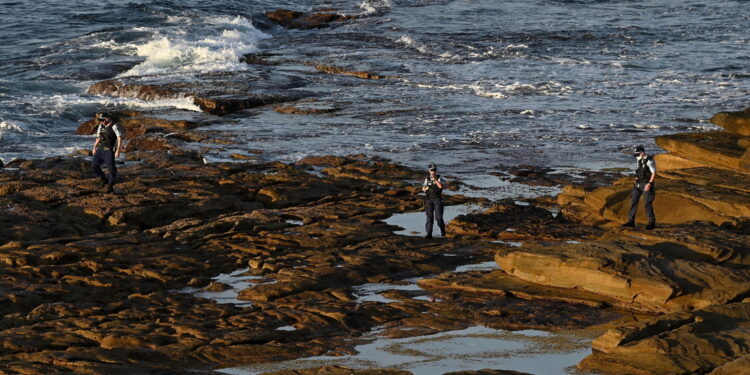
413	222
237	281
474	348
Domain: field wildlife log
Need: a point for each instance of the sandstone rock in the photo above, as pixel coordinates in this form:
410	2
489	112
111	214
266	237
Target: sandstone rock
510	221
717	149
678	343
213	103
669	161
735	122
259	59
682	195
308	110
738	366
697	242
639	279
339	70
136	124
299	20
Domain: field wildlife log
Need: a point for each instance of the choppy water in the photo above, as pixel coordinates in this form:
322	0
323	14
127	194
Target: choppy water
479	84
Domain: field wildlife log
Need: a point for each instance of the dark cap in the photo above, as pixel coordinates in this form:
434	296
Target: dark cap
432	167
639	148
103	116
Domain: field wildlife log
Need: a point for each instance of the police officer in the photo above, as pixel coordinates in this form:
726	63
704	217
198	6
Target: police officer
433	204
645	173
106	149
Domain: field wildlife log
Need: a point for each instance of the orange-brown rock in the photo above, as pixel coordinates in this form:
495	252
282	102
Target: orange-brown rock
510	221
638	278
735	122
682	195
669	161
299	20
738	366
718	149
680	343
339	70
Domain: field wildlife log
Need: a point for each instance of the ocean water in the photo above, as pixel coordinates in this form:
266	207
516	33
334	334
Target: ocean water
475	85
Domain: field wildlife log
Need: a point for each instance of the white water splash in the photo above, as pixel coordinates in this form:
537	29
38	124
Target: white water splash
214	44
375	6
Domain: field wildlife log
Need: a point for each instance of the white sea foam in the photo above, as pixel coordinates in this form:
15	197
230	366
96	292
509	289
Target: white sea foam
479	91
410	42
213	44
8	127
57	104
646	126
374	6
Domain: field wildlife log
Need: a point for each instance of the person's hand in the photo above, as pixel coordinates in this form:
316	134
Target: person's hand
117	154
425	188
647	187
93	151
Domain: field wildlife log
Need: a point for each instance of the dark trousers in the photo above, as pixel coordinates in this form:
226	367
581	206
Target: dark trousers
648	201
433	208
105	157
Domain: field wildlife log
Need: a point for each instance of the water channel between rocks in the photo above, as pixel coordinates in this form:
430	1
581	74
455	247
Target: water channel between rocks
474	348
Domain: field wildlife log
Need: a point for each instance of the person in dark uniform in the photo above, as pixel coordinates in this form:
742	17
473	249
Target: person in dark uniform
433	204
106	149
645	173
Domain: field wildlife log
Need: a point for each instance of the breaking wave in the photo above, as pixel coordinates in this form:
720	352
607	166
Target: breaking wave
214	44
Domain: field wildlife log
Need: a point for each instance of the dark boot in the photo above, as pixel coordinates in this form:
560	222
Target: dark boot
651	225
110	189
629	224
104	182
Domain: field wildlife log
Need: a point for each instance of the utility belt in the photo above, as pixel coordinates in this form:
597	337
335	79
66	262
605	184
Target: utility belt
642	185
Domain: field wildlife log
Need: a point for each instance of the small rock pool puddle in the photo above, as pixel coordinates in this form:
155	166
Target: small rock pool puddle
237	282
413	223
474	348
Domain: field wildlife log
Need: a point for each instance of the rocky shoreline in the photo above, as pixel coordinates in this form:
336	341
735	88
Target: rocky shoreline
101	283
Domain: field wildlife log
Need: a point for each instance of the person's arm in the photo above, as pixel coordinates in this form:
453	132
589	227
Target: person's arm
118	147
652	166
439	182
96	142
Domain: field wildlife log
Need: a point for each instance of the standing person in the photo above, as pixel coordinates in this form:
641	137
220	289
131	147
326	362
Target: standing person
645	173
106	149
433	204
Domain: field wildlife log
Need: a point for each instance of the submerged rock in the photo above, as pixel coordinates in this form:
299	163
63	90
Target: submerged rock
314	20
339	70
230	100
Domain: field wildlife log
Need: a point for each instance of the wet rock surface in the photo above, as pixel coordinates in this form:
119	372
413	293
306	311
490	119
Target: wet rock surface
219	96
99	282
107	283
313	20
